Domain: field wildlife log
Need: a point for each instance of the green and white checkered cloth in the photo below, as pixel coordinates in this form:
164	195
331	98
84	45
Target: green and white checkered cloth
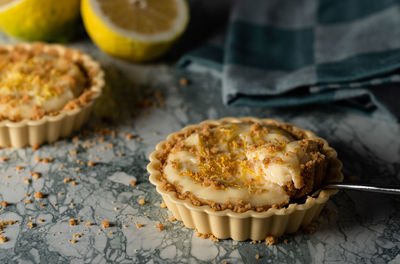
286	53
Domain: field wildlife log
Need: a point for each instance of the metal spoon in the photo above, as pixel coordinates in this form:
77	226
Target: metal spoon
360	187
387	189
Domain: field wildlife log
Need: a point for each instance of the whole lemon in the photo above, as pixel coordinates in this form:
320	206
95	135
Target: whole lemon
40	20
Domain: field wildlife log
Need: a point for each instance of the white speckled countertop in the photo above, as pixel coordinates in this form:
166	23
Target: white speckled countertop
360	228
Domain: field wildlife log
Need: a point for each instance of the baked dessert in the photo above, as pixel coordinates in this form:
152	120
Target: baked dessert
242	168
39	82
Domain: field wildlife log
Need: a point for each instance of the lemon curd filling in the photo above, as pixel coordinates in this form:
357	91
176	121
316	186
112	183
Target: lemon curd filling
33	85
244	165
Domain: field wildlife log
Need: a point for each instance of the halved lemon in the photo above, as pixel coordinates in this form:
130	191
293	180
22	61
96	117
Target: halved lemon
136	30
45	20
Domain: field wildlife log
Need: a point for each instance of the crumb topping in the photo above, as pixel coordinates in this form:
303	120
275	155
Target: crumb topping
35	82
244	160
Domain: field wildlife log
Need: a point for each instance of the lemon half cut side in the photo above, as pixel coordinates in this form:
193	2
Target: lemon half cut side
136	30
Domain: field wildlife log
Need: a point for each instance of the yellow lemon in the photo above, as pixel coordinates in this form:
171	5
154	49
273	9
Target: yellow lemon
136	30
44	20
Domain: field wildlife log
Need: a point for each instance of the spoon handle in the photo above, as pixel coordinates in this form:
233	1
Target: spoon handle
364	187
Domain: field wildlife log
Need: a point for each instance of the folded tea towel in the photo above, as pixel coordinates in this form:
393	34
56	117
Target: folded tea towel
287	53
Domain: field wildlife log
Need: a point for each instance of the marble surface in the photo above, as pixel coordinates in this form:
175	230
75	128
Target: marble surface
360	228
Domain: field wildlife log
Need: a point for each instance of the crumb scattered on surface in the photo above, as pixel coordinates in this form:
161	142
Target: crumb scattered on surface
133	182
271	240
160	226
163	205
35	175
73	241
129	136
88	224
4	204
285	241
37	159
47	160
77	235
26	180
72	204
41	220
67	180
139	225
42	205
142	202
38	195
3	239
91	163
4	159
19	167
72	222
105	224
73	182
116	208
257	256
183	81
31	225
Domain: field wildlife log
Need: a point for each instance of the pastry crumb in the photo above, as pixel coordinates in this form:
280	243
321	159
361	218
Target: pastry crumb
19	167
160	226
139	225
4	204
35	175
27	181
129	136
133	182
3	239
77	235
142	202
38	195
71	204
270	240
73	241
47	160
105	224
74	183
257	256
67	180
31	225
37	159
91	163
163	205
72	222
4	159
35	147
171	219
88	224
183	81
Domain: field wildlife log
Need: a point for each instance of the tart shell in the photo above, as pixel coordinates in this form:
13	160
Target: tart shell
250	224
50	128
